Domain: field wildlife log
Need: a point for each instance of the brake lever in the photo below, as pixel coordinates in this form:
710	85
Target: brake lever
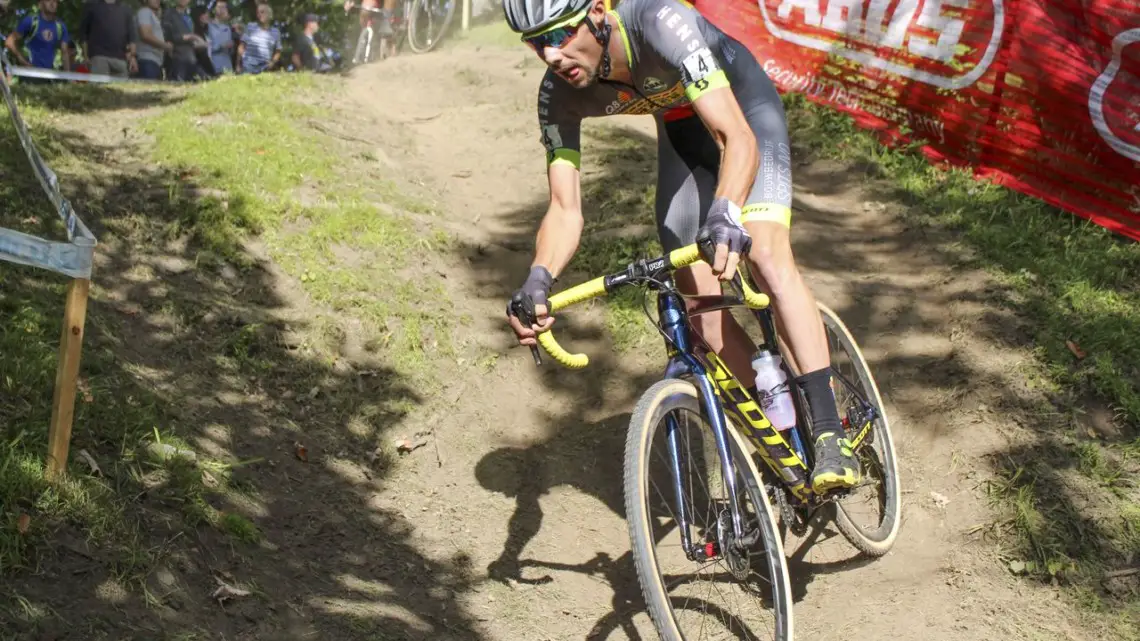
523	308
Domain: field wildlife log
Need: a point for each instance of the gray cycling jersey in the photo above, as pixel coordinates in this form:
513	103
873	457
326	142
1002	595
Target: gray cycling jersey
675	55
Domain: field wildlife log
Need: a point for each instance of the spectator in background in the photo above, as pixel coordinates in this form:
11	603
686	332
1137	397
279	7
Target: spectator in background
202	22
108	34
152	45
306	53
179	29
260	46
220	38
44	35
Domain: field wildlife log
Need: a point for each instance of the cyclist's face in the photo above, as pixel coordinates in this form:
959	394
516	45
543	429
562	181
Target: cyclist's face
577	59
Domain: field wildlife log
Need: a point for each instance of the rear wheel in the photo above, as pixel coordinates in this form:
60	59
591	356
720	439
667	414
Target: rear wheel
749	579
868	515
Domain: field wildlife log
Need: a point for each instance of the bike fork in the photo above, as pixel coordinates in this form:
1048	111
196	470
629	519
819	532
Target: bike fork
684	362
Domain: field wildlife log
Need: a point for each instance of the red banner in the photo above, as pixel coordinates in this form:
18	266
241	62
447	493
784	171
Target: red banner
1042	96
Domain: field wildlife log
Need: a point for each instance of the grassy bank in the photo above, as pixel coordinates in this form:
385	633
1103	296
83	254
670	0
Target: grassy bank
194	366
1074	285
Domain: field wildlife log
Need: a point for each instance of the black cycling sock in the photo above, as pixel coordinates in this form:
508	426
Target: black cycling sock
821	402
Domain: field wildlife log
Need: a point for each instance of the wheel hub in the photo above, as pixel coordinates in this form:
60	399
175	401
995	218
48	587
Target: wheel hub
735	557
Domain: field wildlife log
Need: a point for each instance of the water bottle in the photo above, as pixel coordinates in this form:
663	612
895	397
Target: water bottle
775	395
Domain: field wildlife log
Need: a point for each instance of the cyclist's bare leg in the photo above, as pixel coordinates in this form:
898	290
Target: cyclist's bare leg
390	40
773	267
719	329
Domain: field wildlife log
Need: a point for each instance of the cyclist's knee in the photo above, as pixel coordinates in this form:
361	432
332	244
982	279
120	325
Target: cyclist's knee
771	255
697	279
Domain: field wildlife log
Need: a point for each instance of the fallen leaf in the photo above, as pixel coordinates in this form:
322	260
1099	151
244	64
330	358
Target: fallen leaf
301	451
1017	567
90	460
85	390
1075	349
406	445
23	523
227	591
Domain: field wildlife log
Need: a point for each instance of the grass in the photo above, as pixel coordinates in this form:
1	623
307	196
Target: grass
1075	279
268	176
347	257
621	196
1070	500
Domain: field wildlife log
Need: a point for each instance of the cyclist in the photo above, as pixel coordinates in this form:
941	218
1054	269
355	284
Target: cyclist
724	169
372	8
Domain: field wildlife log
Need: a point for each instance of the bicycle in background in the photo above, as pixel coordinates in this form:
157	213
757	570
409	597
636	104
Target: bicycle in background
420	23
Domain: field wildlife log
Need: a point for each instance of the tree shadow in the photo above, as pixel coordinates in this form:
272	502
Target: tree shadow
195	338
86	98
614	198
857	260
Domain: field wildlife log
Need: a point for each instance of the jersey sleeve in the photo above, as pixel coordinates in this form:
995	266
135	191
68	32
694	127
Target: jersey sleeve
24	28
560	128
671	28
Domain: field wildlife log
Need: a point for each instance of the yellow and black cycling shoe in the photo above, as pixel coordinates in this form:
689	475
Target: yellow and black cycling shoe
836	467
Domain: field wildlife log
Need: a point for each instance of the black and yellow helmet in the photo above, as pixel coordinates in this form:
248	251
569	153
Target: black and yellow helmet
528	16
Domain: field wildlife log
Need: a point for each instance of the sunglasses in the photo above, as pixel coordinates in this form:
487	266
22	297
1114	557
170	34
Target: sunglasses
556	35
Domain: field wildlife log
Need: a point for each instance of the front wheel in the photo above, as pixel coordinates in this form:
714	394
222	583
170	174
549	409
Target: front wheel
669	433
428	22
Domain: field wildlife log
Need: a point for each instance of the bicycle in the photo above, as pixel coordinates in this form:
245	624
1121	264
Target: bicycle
434	16
697	383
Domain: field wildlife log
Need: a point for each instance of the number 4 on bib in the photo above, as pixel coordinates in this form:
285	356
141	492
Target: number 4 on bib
699	64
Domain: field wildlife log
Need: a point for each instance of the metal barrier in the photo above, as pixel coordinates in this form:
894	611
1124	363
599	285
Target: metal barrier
72	258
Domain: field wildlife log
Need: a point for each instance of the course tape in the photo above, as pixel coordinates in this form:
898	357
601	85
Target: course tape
53	74
73	258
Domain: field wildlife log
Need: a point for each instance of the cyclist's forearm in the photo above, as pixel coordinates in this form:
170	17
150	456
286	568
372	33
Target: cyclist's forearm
739	164
557	239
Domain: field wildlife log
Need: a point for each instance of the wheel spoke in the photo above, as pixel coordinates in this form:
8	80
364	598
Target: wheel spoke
747	595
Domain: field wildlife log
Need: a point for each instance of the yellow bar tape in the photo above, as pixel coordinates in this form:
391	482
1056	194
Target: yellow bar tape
678	258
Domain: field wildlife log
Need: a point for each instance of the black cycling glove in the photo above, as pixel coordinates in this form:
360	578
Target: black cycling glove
533	292
722	227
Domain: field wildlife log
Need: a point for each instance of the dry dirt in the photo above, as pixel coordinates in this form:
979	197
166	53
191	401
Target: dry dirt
508	525
529	488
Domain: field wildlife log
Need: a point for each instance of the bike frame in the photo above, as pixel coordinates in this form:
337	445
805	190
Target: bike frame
721	393
720	389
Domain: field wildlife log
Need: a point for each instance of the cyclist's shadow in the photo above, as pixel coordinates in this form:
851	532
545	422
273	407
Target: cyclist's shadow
588	457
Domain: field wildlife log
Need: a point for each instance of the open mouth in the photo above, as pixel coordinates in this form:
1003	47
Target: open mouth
573	73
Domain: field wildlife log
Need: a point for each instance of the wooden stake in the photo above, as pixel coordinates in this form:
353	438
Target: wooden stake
466	17
66	375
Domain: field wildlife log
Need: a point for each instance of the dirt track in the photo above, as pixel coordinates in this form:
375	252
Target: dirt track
529	486
508	526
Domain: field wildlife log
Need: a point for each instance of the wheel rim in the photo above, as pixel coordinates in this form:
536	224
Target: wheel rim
872	506
428	21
